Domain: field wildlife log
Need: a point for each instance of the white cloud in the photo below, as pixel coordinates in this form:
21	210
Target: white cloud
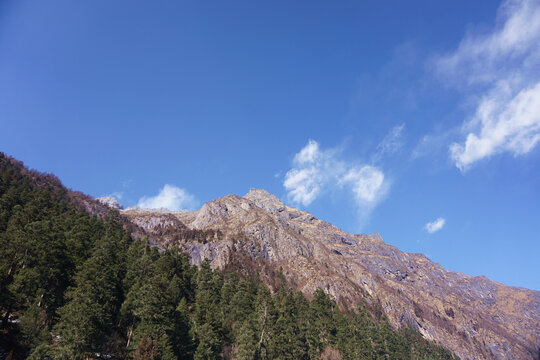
435	225
368	184
169	197
511	45
309	154
315	170
511	125
303	185
501	69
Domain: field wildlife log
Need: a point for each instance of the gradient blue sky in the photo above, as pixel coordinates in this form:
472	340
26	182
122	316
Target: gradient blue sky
376	116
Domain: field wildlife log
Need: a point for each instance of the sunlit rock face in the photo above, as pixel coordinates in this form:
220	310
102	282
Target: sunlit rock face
472	316
110	202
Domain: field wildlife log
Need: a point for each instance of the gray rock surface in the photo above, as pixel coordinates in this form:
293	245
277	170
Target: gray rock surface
110	201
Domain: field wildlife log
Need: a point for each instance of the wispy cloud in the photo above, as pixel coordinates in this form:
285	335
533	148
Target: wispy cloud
434	143
316	170
501	68
435	225
392	142
117	195
170	197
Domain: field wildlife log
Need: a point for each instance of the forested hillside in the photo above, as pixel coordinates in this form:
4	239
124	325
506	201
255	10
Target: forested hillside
76	286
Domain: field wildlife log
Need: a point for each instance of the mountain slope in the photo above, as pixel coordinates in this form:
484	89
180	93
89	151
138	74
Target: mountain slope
473	316
75	285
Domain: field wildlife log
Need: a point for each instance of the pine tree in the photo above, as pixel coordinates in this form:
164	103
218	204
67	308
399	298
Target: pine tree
246	342
209	346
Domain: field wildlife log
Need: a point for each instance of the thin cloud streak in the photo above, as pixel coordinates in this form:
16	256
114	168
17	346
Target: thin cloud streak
392	142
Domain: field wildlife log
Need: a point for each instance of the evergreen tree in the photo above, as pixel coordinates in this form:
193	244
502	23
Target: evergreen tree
208	317
289	342
209	346
246	342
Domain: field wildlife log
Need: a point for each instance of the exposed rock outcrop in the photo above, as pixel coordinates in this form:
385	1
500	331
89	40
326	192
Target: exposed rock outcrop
111	202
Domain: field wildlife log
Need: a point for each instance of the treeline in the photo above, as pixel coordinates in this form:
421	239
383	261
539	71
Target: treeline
75	286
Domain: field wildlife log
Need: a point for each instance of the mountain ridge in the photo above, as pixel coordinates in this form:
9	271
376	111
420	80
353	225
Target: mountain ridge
473	316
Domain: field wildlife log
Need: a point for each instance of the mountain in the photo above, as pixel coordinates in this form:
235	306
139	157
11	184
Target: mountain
474	317
75	285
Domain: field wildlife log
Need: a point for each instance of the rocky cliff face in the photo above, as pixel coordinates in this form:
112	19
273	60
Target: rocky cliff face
472	316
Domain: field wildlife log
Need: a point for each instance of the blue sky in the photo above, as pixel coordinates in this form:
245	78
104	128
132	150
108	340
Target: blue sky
419	120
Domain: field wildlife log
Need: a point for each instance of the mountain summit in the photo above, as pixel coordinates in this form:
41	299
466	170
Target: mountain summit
473	316
265	200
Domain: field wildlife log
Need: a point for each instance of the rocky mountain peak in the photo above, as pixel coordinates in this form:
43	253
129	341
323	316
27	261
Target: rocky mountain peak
110	202
265	200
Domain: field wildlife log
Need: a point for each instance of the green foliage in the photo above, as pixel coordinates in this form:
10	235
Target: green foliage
94	301
75	286
246	341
